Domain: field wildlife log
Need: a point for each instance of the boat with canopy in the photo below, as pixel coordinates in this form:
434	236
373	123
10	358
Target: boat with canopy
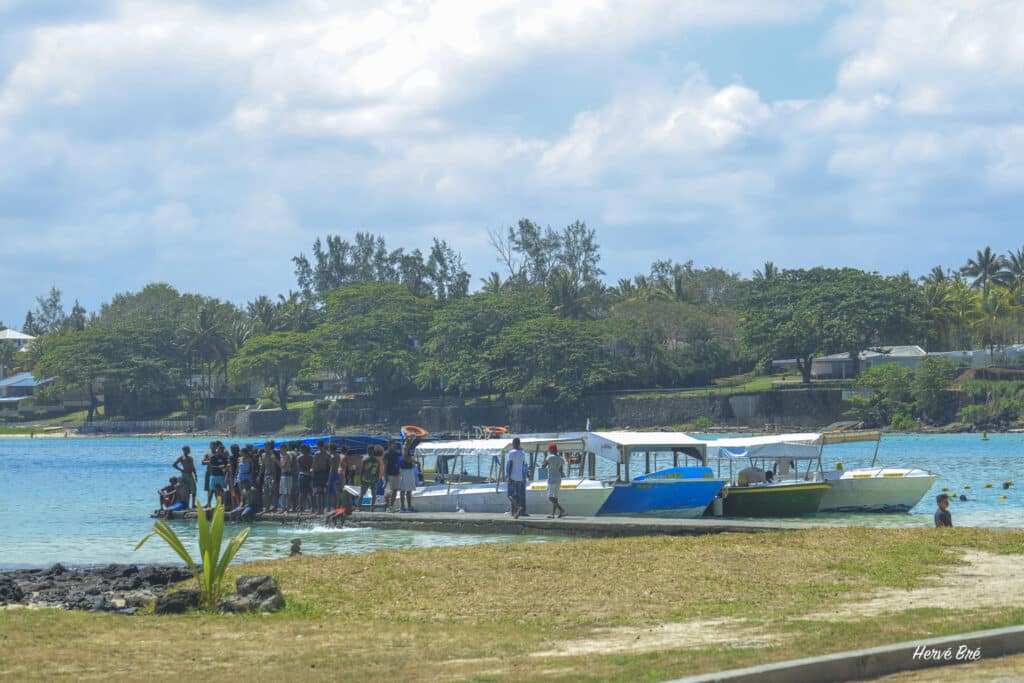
765	478
864	489
669	486
470	477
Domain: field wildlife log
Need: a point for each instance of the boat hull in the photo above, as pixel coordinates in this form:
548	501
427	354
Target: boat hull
875	490
678	498
773	500
579	497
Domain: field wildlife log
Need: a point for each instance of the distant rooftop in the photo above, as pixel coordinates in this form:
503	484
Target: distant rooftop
14	335
24	379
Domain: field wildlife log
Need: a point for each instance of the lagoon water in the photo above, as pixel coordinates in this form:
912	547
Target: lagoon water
87	501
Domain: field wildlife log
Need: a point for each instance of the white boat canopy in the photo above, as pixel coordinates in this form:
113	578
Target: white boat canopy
466	447
790	446
617	446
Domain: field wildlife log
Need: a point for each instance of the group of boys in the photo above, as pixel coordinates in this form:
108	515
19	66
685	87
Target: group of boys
293	478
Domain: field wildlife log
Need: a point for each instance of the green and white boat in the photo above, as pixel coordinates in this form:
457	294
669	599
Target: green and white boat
768	477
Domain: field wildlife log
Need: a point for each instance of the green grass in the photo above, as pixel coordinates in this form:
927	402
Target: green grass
481	612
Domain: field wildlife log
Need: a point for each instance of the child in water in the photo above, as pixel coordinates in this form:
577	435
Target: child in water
942	514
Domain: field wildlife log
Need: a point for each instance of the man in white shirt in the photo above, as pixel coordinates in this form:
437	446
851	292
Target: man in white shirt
516	475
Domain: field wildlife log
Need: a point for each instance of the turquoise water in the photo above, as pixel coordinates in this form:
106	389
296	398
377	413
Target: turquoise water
86	501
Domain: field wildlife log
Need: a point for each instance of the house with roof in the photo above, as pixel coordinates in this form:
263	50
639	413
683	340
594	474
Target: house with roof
17	392
841	365
19	339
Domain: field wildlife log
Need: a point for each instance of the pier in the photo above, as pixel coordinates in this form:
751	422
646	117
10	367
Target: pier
483	523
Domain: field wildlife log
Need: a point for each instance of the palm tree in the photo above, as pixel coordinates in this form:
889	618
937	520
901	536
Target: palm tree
992	319
206	347
963	302
768	273
492	284
1015	274
939	312
987	268
935	276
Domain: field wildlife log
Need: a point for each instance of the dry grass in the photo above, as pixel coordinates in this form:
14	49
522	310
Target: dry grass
477	612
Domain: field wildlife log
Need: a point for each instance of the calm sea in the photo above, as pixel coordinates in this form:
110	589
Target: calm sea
87	501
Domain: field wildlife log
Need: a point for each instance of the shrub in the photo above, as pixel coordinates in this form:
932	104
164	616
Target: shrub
210	575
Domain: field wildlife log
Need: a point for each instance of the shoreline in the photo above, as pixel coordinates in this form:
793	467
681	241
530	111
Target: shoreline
738	429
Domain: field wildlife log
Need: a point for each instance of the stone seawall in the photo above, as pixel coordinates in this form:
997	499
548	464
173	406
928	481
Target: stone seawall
790	408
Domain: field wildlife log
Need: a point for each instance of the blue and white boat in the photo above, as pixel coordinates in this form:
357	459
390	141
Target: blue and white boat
675	490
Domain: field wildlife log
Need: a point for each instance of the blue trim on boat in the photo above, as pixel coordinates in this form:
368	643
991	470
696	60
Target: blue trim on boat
672	492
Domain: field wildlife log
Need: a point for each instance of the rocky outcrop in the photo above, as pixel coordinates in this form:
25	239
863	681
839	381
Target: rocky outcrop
177	602
122	588
254	594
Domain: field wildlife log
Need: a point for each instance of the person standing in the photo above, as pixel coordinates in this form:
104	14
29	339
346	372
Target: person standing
372	473
555	464
187	466
516	476
269	469
215	468
287	477
407	477
392	470
321	475
943	517
304	465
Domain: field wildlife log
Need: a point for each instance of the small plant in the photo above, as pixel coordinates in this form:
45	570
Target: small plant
210	575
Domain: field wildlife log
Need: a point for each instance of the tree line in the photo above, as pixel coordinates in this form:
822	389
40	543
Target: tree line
545	326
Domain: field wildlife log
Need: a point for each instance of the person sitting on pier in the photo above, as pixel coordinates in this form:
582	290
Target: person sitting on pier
174	496
247	508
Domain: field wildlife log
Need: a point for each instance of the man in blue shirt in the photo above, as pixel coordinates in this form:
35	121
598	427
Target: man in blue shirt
516	475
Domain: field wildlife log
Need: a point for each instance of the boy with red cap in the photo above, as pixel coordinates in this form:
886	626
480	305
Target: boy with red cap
555	463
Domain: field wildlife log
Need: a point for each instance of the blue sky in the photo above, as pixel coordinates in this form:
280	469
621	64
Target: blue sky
204	143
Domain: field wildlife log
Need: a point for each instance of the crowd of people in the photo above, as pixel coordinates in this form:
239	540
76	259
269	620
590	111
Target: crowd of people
294	477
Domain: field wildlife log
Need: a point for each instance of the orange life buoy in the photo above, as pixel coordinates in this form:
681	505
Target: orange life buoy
413	430
495	431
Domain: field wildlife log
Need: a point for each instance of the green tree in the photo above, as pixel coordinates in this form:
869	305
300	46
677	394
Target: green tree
552	358
276	358
803	314
76	361
930	387
889	398
454	344
372	331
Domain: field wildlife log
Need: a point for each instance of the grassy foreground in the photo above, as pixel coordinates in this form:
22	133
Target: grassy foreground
484	612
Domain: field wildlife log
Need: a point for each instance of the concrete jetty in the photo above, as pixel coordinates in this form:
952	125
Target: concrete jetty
481	523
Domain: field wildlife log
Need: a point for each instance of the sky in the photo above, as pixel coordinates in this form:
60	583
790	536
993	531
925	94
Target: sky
204	143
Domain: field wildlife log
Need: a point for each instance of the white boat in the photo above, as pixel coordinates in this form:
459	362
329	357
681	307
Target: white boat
486	490
871	489
866	489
